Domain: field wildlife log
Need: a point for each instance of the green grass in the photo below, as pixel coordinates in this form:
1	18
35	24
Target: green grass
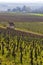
36	27
21	13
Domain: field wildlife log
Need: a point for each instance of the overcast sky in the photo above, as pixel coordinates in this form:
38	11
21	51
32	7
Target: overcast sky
21	1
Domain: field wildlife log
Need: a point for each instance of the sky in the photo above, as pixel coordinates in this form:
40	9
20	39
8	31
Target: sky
21	1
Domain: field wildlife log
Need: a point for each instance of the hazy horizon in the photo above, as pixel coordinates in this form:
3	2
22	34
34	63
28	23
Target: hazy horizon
21	1
9	4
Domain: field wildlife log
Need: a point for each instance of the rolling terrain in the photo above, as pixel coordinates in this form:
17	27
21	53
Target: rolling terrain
22	44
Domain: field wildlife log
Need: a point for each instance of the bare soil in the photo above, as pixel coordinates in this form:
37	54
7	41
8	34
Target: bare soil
21	18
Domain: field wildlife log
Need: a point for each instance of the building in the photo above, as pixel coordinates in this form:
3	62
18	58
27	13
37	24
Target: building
11	25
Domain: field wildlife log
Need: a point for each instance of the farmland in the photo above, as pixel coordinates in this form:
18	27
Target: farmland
28	22
23	44
16	17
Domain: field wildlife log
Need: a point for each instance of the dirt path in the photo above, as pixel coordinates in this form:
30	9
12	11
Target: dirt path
38	34
20	32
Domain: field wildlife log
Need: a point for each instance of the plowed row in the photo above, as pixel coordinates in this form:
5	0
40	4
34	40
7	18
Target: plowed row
21	18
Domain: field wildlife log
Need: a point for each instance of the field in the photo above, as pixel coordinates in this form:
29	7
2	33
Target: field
36	27
28	22
22	44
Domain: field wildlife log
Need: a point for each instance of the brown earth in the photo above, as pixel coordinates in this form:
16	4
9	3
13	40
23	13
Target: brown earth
19	33
21	18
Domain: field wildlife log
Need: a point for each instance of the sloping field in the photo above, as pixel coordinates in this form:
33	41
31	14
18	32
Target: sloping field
19	32
28	22
20	47
36	27
22	44
21	18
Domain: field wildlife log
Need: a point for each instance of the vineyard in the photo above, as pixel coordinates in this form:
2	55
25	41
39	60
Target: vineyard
19	48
